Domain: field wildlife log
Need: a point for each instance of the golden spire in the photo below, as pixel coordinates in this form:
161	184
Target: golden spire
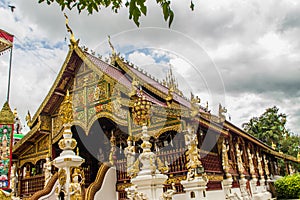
72	38
66	109
6	115
171	82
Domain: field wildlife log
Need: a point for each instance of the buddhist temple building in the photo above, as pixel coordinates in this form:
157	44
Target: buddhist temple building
123	125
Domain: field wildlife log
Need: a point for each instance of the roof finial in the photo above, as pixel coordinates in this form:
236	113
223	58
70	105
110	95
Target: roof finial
111	46
72	38
171	81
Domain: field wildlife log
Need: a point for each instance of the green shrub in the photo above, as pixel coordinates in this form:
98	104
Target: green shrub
288	187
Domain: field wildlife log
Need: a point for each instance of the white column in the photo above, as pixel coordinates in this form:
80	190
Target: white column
227	185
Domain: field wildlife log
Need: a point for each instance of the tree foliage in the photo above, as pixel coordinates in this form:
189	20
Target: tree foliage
269	127
136	8
290	145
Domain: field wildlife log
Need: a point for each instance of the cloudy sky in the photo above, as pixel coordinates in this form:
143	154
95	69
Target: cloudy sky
244	54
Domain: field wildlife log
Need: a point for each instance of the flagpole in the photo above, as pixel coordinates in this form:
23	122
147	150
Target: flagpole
9	74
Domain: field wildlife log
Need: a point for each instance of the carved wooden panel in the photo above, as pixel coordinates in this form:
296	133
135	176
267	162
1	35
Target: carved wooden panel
45	123
43	144
57	126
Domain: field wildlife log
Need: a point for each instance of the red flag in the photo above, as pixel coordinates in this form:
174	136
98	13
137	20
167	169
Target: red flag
6	40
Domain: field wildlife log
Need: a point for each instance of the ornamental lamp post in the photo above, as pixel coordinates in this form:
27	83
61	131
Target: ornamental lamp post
148	184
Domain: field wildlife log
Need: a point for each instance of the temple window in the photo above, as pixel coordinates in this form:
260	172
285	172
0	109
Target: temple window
193	196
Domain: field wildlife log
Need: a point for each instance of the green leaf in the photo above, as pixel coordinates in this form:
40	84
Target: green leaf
144	10
90	9
171	18
192	6
95	6
165	11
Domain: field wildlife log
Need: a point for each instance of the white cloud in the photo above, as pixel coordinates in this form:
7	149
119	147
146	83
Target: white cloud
274	45
180	65
140	59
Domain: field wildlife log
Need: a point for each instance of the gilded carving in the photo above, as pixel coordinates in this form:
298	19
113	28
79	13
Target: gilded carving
76	186
123	186
100	91
141	111
57	126
6	115
62	178
91	112
163	168
225	160
251	165
63	83
43	144
259	165
28	119
66	109
155	120
47	170
134	85
266	163
78	99
222	111
45	123
194	105
32	150
192	153
112	149
129	153
81	69
239	154
4	196
118	110
33	158
175	179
